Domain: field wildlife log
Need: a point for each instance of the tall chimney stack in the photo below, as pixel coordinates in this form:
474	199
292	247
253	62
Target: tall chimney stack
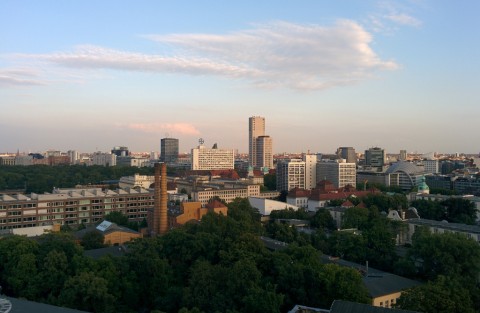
163	200
160	217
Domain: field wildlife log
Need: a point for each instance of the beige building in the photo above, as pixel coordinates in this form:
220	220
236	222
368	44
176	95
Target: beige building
290	174
212	159
256	128
264	152
143	181
72	206
226	195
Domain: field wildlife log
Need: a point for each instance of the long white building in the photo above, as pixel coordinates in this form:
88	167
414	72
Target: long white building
212	159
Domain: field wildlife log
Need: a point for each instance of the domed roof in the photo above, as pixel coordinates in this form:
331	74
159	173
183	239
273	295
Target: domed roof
406	167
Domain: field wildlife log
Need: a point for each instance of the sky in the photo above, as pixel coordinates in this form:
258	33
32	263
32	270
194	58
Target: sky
90	75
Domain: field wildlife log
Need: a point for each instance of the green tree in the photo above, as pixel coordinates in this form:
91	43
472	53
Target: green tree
88	292
460	210
93	240
323	219
355	218
431	210
443	295
448	254
270	181
117	217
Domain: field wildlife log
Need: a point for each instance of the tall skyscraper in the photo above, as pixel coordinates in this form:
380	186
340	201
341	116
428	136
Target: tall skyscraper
264	154
256	128
169	150
347	153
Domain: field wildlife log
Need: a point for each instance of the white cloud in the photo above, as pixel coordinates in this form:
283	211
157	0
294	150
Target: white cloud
278	54
404	19
19	77
178	128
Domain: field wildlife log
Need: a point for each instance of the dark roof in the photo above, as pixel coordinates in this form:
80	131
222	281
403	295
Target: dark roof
110	229
115	251
24	306
378	283
340	306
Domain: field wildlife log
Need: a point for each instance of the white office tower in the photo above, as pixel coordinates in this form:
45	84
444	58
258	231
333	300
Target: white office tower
310	170
339	172
212	159
290	174
74	156
256	128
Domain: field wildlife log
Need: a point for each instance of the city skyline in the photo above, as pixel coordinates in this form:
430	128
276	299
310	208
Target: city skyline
88	76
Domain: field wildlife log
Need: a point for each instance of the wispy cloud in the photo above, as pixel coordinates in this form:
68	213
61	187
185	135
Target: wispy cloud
277	54
19	77
404	19
178	128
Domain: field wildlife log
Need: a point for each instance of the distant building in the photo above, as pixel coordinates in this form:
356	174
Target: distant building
310	170
169	150
431	166
290	174
120	151
409	174
264	152
256	128
104	159
266	206
375	157
227	194
113	234
347	153
338	172
193	211
403	155
212	159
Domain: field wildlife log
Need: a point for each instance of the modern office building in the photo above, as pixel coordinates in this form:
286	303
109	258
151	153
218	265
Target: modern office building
256	128
408	175
169	150
310	170
431	166
339	172
212	159
347	153
375	157
264	152
290	174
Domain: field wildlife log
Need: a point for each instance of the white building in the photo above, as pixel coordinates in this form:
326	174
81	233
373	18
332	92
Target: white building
212	159
339	172
266	206
104	159
431	166
290	174
310	170
144	181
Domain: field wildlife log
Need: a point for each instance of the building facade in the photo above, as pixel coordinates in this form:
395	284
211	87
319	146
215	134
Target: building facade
310	170
72	207
339	172
375	157
256	128
104	159
264	152
290	174
347	153
169	150
227	194
212	159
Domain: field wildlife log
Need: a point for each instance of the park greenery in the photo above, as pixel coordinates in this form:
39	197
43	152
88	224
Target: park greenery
43	178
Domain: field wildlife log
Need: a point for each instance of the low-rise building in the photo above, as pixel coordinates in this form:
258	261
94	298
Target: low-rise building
440	227
266	206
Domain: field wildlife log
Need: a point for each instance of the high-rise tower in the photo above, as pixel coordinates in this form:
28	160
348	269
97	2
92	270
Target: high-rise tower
264	157
256	128
169	150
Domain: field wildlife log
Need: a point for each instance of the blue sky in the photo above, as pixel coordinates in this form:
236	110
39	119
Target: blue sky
90	75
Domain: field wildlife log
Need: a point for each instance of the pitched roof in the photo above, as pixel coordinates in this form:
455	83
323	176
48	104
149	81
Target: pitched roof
215	204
